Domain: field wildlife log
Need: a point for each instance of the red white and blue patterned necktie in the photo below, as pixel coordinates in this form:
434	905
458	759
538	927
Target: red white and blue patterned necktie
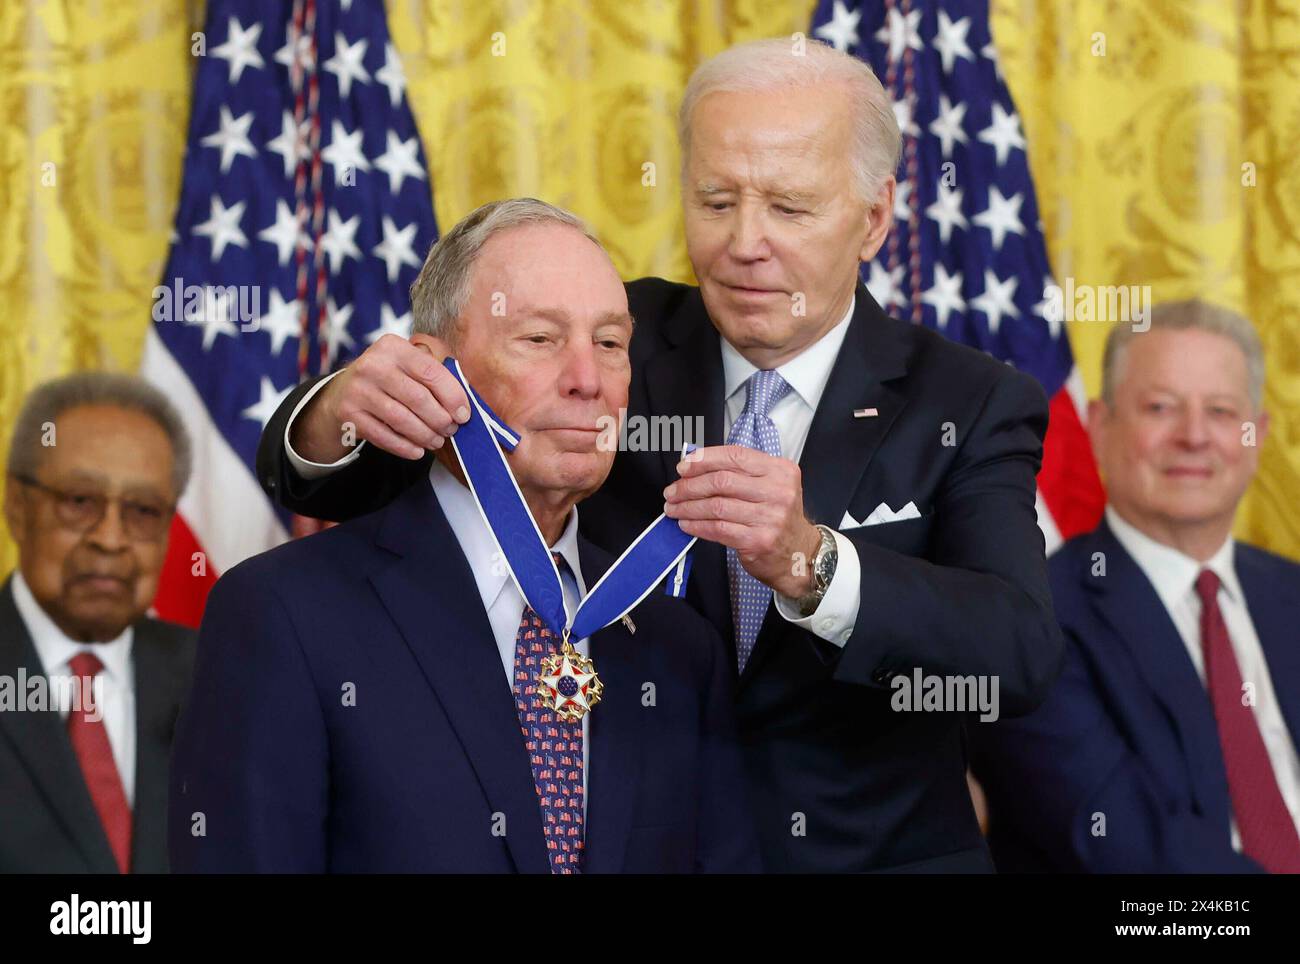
554	749
756	430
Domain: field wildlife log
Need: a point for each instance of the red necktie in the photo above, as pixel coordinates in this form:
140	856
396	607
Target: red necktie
1268	834
90	743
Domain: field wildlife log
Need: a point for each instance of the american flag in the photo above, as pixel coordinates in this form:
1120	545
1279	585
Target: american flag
304	215
967	255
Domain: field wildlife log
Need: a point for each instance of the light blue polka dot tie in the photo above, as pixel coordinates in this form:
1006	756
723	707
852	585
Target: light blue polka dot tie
755	430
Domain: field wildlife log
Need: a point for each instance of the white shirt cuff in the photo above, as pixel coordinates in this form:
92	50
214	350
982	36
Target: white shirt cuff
835	616
316	470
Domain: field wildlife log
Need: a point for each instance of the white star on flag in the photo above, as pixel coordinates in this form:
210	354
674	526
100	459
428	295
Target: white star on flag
944	295
214	315
946	211
284	233
842	30
997	299
296	47
346	63
1003	133
282	321
291	144
886	286
222	226
231	137
947	126
336	328
395	249
1001	217
399	161
901	33
268	402
344	151
392	75
240	49
338	240
950	41
390	323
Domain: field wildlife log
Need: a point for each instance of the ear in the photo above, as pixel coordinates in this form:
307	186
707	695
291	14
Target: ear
880	218
434	345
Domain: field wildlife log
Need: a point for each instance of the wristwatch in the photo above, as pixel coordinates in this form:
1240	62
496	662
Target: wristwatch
823	570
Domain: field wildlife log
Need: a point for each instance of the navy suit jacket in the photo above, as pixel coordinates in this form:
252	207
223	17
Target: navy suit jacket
426	771
1129	733
839	780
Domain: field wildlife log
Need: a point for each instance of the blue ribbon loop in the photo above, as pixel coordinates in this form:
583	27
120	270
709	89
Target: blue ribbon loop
655	553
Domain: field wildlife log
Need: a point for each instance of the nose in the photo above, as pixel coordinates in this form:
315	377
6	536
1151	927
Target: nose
580	376
748	234
1193	429
108	533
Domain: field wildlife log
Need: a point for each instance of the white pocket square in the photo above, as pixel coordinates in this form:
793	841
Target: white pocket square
882	513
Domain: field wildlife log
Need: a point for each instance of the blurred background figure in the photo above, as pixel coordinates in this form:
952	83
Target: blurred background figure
95	468
1169	744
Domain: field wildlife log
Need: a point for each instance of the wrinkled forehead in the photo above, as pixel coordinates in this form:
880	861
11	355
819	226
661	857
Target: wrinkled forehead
106	446
1187	361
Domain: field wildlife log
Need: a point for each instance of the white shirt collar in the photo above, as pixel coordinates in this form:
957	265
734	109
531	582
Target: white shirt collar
1173	573
807	373
56	650
480	545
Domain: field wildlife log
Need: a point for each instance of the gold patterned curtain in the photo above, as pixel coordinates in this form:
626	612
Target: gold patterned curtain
1164	141
1137	153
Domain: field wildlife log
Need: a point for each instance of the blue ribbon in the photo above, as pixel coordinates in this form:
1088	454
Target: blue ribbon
655	553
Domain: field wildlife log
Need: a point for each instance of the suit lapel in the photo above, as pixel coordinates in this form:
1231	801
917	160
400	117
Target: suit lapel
1127	601
41	740
155	721
840	446
430	593
686	380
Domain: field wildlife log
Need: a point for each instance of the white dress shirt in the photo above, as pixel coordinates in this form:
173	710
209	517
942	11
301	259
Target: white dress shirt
501	597
806	374
1173	575
117	678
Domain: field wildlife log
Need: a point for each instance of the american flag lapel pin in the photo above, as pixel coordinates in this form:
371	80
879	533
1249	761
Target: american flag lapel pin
865	413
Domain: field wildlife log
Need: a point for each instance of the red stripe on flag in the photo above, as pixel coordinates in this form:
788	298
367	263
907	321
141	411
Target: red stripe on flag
181	593
1068	479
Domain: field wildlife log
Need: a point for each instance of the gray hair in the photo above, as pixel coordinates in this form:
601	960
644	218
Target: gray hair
442	289
47	401
1184	316
765	65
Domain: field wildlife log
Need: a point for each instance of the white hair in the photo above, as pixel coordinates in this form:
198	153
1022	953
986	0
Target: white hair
442	289
766	65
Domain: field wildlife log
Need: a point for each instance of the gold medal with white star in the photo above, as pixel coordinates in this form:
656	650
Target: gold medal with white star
567	683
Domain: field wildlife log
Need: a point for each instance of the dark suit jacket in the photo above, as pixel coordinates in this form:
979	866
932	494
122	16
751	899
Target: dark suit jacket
48	823
1129	732
840	782
413	776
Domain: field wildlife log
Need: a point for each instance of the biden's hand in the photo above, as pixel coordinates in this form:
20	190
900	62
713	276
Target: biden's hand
396	395
751	502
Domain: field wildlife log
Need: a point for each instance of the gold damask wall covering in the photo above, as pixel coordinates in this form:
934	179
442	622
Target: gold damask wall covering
1137	155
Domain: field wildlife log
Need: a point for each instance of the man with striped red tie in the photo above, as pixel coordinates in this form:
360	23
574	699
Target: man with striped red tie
1169	744
89	686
